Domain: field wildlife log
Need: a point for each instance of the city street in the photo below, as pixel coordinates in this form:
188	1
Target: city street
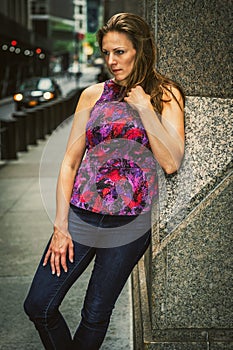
66	83
27	200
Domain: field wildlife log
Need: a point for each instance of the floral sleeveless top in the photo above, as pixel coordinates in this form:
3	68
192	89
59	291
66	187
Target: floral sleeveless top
118	173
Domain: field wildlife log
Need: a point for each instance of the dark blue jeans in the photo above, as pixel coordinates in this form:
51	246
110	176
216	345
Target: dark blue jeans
112	267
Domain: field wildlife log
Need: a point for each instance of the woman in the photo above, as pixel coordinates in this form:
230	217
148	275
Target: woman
104	199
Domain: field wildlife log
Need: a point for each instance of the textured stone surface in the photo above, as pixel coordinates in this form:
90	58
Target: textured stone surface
191	280
222	346
191	283
217	335
176	346
194	44
180	335
207	159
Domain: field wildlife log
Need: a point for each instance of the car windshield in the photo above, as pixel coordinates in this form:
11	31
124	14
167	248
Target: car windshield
44	84
37	84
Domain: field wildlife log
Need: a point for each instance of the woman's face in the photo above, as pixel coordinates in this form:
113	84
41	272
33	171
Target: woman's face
119	55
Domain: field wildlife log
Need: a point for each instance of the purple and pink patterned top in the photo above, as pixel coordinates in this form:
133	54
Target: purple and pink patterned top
118	173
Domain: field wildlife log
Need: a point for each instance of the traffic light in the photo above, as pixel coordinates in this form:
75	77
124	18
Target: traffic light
13	42
79	36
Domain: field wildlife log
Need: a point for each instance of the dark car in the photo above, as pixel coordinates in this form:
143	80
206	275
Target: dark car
35	91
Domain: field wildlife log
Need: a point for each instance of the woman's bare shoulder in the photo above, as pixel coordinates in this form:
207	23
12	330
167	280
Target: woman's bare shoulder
91	94
172	93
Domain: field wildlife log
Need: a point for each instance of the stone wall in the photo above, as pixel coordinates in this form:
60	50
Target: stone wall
191	302
208	154
194	43
182	288
192	287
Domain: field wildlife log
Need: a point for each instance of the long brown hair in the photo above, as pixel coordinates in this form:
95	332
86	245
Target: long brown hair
144	72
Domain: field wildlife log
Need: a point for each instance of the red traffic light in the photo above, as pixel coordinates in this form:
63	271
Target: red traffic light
79	36
38	51
13	42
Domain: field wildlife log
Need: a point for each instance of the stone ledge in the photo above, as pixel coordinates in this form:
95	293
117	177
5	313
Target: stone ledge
187	346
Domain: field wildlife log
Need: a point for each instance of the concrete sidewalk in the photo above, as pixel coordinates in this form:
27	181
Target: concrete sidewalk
27	206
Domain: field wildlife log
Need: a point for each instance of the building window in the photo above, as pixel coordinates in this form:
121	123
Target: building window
42	10
33	7
80	9
39	7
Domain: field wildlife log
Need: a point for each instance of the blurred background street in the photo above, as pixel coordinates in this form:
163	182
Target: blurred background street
67	83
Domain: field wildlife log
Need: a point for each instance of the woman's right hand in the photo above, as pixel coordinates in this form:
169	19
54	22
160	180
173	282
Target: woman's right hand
61	247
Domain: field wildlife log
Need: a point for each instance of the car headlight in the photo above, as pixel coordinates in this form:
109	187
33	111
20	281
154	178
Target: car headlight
18	97
48	95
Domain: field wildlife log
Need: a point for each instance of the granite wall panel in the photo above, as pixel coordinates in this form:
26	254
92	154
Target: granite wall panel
189	269
176	346
208	156
191	277
194	44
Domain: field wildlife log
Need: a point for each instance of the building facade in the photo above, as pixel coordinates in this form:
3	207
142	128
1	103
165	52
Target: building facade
22	53
54	21
34	34
17	52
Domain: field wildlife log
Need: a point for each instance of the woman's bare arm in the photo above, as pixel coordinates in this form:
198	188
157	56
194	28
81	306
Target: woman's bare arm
165	134
61	243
